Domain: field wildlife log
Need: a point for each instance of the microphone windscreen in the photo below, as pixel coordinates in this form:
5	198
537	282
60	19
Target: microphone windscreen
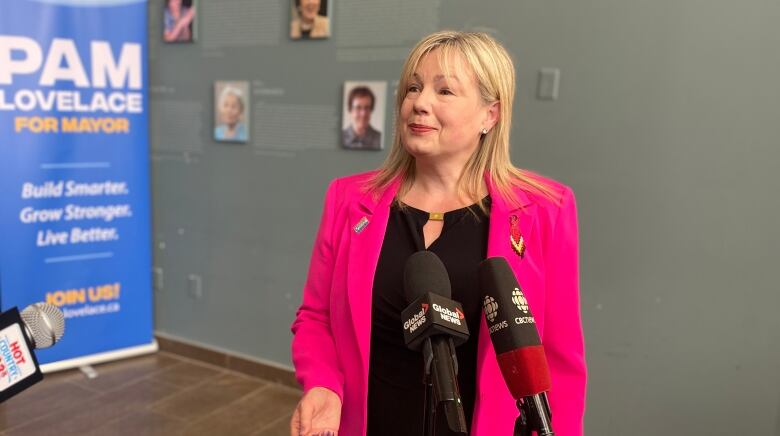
424	272
525	371
45	322
512	330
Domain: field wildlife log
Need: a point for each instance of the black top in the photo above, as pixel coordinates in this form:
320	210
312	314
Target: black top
396	394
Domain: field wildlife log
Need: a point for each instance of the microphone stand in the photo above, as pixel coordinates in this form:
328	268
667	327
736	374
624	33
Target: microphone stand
429	417
535	415
436	395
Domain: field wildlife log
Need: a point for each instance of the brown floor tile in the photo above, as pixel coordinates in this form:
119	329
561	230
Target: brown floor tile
161	394
249	414
71	375
186	374
39	400
78	418
115	374
203	399
280	427
141	423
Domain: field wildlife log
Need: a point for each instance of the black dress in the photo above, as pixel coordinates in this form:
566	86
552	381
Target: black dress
396	394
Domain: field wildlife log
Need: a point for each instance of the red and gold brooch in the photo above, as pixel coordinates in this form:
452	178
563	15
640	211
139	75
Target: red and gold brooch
515	237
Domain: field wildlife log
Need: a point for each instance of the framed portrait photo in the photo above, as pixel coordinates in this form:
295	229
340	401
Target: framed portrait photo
180	20
310	19
231	111
363	115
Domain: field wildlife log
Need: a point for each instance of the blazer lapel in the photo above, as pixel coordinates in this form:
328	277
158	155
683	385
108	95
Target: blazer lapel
368	223
499	244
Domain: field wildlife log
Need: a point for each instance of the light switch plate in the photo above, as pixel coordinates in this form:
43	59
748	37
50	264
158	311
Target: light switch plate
549	80
195	286
158	276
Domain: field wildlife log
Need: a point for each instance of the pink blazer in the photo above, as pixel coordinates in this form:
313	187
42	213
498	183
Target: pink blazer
332	328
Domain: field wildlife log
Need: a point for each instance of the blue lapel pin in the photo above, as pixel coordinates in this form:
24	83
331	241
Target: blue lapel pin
361	225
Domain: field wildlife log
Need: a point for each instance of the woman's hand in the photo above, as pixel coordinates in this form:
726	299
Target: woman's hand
318	413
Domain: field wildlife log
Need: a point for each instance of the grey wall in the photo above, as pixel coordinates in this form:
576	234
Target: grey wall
667	127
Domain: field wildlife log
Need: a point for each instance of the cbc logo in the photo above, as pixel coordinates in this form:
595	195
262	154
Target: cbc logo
519	299
491	308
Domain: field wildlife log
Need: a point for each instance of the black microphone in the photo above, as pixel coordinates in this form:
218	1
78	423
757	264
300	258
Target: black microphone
436	324
519	350
39	325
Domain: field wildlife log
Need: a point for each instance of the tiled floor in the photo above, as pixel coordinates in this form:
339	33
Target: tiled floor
160	394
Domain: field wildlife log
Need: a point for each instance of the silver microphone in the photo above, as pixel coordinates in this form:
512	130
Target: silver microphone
44	324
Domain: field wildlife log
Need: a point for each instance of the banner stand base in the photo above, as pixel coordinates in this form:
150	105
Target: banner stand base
94	359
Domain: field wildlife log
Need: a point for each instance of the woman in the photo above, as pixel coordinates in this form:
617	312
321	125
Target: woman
231	114
177	22
447	186
307	21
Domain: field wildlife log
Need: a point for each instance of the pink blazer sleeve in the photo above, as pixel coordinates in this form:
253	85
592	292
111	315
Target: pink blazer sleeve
562	337
313	348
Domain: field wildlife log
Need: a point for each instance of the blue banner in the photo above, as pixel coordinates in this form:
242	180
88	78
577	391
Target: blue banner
74	169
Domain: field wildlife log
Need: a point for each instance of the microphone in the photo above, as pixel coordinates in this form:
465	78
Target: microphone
519	350
39	325
435	324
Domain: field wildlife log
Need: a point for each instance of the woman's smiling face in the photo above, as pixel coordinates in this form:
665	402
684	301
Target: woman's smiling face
443	113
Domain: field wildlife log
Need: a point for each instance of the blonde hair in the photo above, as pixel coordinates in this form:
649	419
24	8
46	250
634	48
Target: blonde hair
495	75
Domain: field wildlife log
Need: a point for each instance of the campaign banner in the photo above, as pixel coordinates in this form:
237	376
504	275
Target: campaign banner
74	169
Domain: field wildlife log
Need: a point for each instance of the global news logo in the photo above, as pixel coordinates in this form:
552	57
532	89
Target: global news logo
449	315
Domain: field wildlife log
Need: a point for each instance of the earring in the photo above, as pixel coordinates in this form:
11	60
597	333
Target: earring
484	131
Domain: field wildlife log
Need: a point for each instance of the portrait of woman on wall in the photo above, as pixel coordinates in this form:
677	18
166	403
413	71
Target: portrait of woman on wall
179	20
363	115
231	111
309	19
